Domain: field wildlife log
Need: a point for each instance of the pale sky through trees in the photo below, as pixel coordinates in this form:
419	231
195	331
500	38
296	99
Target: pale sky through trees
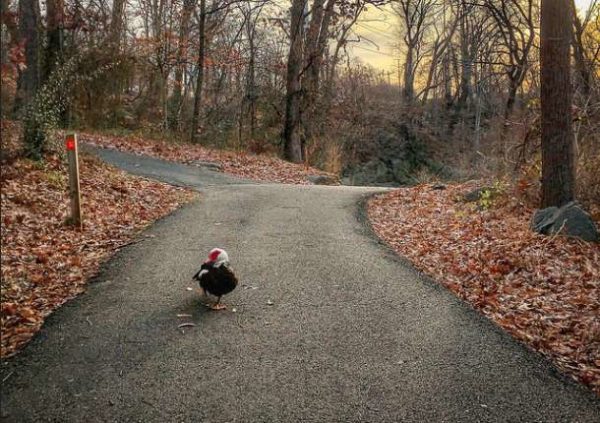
378	29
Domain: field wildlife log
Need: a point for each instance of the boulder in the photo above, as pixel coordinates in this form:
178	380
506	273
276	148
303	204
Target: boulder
323	179
570	220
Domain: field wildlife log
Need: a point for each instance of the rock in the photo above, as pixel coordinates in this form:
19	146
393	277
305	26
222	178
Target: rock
542	219
438	186
323	179
477	193
209	165
569	220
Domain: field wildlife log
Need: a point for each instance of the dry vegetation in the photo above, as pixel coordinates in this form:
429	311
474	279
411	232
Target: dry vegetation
542	290
261	167
46	262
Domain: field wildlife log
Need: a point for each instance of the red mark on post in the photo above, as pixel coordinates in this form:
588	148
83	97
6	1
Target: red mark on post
70	142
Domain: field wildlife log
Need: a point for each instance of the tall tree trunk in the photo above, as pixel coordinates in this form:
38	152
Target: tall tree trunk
12	31
195	127
409	75
115	34
316	43
177	99
448	96
10	38
291	127
584	76
54	34
558	155
512	97
116	23
251	88
466	69
29	32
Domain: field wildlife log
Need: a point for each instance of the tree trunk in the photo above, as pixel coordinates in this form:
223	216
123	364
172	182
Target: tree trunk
409	89
511	99
55	28
177	99
466	91
12	31
251	88
200	77
558	155
584	76
291	127
116	23
448	96
316	44
29	32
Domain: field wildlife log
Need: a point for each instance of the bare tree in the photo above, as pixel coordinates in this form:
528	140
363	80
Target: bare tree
416	19
116	23
515	23
442	38
291	127
252	14
316	42
582	63
181	61
200	70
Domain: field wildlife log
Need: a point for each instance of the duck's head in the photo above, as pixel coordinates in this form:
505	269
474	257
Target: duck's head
218	256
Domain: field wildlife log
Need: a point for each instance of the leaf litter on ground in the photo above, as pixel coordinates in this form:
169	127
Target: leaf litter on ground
542	290
259	167
45	262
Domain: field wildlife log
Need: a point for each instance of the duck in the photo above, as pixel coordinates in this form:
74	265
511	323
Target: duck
216	277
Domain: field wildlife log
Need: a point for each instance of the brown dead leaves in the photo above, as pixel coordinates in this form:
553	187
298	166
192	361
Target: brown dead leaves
244	165
46	262
543	290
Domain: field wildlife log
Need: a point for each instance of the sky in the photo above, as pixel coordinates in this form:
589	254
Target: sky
378	31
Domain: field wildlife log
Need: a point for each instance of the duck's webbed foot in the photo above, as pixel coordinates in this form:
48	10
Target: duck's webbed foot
218	305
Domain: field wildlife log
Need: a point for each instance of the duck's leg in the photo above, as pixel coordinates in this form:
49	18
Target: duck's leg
218	305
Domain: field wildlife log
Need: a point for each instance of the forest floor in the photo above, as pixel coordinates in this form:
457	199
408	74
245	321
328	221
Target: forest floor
45	261
542	290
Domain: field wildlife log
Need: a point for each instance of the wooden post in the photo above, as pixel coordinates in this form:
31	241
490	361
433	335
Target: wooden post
71	145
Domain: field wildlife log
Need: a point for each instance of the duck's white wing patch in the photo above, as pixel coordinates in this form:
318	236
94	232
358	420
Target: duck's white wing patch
202	273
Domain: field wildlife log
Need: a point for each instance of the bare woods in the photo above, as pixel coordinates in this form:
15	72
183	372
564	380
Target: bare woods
466	96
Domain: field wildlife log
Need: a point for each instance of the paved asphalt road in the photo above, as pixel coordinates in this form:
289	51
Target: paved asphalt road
352	334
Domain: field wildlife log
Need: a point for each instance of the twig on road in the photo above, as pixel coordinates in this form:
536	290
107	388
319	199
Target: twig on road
7	376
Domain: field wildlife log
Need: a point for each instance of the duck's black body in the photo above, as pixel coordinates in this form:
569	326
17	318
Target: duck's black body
216	280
